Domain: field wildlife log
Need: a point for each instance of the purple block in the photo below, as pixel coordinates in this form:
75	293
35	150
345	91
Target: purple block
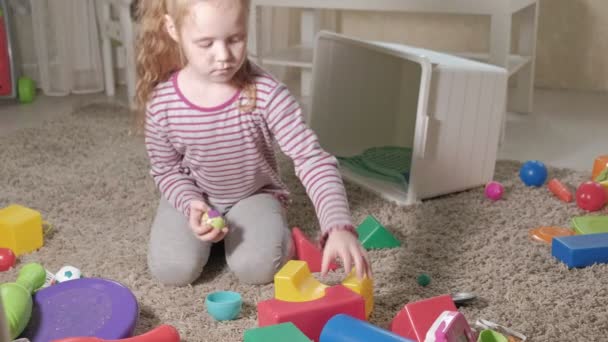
83	307
581	250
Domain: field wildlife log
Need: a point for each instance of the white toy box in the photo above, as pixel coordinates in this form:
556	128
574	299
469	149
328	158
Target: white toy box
445	111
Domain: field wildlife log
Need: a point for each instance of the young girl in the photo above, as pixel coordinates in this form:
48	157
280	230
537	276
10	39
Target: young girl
211	118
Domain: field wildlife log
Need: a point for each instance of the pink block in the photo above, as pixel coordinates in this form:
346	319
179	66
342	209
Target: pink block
415	319
451	326
310	317
307	251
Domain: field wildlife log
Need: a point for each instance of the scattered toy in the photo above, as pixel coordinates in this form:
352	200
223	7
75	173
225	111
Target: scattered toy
533	173
423	280
546	234
560	190
494	190
591	196
7	259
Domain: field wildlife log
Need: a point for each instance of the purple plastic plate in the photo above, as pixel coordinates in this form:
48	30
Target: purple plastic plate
83	307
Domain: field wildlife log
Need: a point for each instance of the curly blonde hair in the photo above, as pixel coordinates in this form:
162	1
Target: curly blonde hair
158	55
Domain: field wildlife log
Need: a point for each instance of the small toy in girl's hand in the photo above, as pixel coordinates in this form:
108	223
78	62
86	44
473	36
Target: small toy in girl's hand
67	273
494	191
7	259
214	219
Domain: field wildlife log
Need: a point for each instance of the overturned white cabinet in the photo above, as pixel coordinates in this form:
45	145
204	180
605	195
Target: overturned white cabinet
445	110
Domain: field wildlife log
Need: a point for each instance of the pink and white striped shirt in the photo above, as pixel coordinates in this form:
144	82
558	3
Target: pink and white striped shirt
223	154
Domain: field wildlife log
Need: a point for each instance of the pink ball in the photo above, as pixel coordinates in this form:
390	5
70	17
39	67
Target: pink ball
494	191
591	196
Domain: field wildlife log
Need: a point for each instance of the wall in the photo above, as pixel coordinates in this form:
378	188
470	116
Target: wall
572	38
572	45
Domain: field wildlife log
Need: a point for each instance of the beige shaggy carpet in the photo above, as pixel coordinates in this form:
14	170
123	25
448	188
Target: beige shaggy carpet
89	178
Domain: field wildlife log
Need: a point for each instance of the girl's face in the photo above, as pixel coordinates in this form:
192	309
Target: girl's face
213	38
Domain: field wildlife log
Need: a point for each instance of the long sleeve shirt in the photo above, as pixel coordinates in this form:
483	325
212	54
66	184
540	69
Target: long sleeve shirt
223	154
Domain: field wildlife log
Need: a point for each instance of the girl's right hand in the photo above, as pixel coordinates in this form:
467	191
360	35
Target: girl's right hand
204	232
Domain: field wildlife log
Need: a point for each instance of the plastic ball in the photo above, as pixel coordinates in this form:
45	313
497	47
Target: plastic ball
494	191
67	273
423	279
533	173
7	259
591	196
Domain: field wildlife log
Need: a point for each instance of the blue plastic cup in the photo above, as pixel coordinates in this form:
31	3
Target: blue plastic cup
224	305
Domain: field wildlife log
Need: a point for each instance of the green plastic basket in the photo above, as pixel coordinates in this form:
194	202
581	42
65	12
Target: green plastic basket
387	163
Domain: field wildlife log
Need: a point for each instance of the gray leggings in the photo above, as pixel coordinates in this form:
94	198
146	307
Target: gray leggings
257	245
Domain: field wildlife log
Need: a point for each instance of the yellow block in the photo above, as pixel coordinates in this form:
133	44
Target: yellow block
364	287
295	283
20	229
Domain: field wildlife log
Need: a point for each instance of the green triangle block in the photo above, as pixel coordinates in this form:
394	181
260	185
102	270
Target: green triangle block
276	333
373	235
590	224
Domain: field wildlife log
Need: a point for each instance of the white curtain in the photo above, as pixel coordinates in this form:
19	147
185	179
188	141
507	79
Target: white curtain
66	45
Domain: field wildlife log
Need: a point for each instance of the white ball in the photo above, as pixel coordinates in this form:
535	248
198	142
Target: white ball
67	273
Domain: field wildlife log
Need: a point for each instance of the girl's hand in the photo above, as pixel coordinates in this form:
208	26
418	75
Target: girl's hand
344	244
203	231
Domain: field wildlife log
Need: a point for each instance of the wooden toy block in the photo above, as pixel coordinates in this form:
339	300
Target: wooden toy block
20	229
590	224
600	164
311	316
307	251
276	333
295	283
415	319
343	328
581	250
373	235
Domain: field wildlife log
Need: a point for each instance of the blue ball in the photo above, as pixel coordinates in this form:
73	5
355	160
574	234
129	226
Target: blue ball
533	173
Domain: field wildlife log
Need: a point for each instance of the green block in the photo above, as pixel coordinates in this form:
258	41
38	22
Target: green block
276	333
590	224
603	176
373	235
491	336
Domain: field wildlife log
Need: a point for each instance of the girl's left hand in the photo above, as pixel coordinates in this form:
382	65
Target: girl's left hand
344	244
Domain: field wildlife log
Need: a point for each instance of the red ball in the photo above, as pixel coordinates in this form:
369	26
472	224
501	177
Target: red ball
7	259
591	196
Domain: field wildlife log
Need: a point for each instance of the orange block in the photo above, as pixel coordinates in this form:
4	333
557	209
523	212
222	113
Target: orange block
599	165
546	234
560	190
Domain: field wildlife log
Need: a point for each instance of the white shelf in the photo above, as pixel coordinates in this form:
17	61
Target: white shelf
301	56
516	62
295	56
